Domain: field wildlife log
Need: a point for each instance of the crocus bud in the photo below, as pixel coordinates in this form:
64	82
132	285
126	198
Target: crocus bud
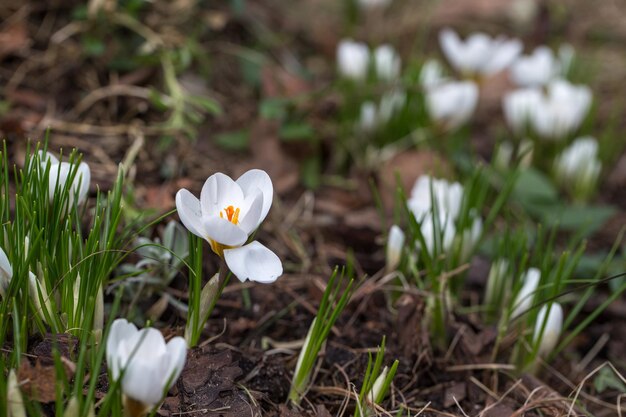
390	103
376	394
548	330
6	273
387	63
524	298
495	283
149	365
98	314
353	59
431	74
577	168
38	293
395	242
302	381
503	156
59	176
15	402
207	299
368	119
519	107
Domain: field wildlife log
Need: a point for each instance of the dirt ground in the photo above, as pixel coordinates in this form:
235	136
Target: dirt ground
245	367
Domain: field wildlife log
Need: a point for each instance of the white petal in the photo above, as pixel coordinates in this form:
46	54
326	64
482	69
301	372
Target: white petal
83	178
6	271
190	213
254	262
219	192
120	330
144	380
552	329
252	211
224	232
177	354
258	179
44	157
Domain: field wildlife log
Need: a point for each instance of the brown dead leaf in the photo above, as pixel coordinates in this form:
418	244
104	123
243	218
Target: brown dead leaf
276	81
413	337
39	382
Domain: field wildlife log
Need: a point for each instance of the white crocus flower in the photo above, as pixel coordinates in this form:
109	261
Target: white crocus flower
496	282
480	54
548	330
432	74
353	59
439	229
59	176
6	273
578	167
395	242
519	107
524	298
536	69
451	104
147	365
562	110
448	197
226	214
387	63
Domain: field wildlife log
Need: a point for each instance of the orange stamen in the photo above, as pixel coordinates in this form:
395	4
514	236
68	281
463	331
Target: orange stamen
232	214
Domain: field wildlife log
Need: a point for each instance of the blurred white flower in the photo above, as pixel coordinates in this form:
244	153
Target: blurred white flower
59	176
395	242
519	107
562	110
148	366
387	63
6	273
438	232
451	104
38	293
390	103
432	74
470	237
480	54
503	156
373	4
536	69
353	59
368	118
447	196
226	214
524	298
578	167
551	326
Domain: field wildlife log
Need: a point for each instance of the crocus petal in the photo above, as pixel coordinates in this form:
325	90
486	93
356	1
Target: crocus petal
224	232
45	157
190	213
120	330
83	177
219	192
254	262
256	178
252	209
177	354
551	330
144	380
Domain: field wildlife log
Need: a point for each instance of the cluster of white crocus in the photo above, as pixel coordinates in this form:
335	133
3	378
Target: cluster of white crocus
548	329
479	55
541	66
578	167
374	116
59	176
354	60
147	366
436	205
226	214
6	273
553	114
